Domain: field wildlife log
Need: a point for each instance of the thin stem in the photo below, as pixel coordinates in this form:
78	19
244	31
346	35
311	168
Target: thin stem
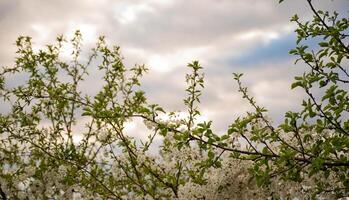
326	26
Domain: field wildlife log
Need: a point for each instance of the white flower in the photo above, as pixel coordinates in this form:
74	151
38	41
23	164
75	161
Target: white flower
30	171
103	136
149	124
62	170
20	186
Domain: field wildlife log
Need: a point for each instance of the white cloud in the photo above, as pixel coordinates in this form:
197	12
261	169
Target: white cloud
166	35
275	93
168	61
128	13
41	31
88	31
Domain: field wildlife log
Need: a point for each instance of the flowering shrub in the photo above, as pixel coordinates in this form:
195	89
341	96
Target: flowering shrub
304	157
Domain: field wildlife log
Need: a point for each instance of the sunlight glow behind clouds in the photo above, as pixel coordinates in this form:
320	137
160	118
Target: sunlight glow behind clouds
42	31
128	13
88	31
258	34
168	62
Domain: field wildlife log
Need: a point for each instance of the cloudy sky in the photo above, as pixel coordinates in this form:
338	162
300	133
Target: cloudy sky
247	36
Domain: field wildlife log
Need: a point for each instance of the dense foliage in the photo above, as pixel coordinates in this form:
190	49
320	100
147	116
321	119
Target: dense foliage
307	156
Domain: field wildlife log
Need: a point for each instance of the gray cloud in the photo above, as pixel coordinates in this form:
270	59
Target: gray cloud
167	34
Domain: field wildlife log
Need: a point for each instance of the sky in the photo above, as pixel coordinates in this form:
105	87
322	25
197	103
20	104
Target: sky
242	36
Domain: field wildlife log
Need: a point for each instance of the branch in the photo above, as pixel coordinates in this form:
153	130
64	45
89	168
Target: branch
244	152
334	123
326	26
2	194
74	164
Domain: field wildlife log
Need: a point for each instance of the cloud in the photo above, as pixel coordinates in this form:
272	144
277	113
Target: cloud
226	36
275	49
126	13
